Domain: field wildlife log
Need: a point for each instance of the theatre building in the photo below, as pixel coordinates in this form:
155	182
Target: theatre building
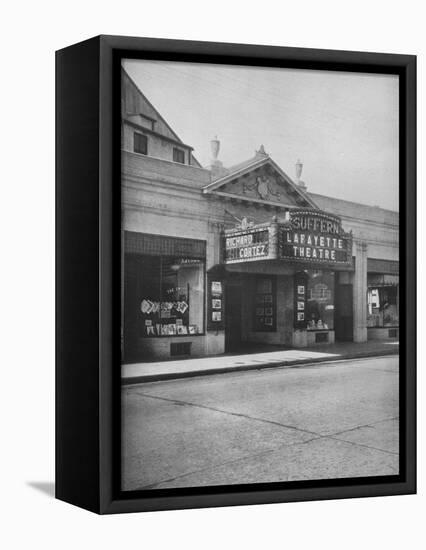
221	259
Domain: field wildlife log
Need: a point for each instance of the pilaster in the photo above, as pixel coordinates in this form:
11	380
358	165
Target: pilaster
360	292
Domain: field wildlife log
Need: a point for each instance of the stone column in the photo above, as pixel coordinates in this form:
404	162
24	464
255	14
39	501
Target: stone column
360	292
214	248
273	239
214	341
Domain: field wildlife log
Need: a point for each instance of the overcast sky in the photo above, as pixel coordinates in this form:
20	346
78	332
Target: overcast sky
343	126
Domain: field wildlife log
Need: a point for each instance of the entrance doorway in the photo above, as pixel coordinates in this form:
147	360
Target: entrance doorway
233	317
343	315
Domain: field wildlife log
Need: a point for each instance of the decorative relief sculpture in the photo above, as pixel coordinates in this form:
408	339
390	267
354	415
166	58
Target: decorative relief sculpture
263	186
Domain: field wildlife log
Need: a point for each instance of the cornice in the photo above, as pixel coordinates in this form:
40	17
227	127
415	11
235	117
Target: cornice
173	213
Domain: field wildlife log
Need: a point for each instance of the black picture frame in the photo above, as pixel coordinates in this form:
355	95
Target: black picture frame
88	273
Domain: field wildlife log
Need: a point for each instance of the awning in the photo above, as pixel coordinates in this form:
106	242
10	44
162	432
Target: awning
375	265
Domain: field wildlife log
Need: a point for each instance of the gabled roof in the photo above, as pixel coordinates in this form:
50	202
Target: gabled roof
254	164
245	164
136	103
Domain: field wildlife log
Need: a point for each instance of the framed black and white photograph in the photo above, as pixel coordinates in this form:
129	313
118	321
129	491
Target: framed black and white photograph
257	319
217	315
216	288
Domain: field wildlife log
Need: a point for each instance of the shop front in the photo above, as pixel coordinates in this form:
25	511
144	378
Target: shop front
281	279
288	308
163	296
277	283
382	299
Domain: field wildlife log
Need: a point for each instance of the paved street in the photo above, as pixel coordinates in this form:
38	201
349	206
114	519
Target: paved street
320	421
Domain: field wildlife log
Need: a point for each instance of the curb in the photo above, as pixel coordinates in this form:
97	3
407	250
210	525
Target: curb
285	364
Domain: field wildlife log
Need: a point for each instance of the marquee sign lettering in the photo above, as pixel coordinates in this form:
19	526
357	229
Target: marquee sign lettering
315	237
308	236
252	244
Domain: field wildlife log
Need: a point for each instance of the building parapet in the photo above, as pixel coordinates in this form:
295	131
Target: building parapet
160	169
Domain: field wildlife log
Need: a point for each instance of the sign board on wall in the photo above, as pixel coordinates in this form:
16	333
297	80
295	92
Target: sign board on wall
247	246
315	237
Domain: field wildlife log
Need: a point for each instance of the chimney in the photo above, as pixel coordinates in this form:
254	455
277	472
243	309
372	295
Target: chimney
299	168
216	167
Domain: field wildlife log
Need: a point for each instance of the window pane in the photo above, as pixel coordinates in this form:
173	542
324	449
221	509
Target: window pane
382	306
178	155
140	143
320	300
382	300
190	277
171	297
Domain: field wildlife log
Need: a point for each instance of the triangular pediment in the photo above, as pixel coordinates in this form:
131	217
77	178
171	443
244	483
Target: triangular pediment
260	182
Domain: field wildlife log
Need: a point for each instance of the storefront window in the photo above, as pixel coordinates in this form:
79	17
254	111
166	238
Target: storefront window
169	295
382	300
320	300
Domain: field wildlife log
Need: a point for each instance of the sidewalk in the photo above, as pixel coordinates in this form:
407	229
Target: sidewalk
271	356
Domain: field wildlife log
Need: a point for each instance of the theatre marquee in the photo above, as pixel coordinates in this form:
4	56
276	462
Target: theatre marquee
315	237
306	236
247	245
